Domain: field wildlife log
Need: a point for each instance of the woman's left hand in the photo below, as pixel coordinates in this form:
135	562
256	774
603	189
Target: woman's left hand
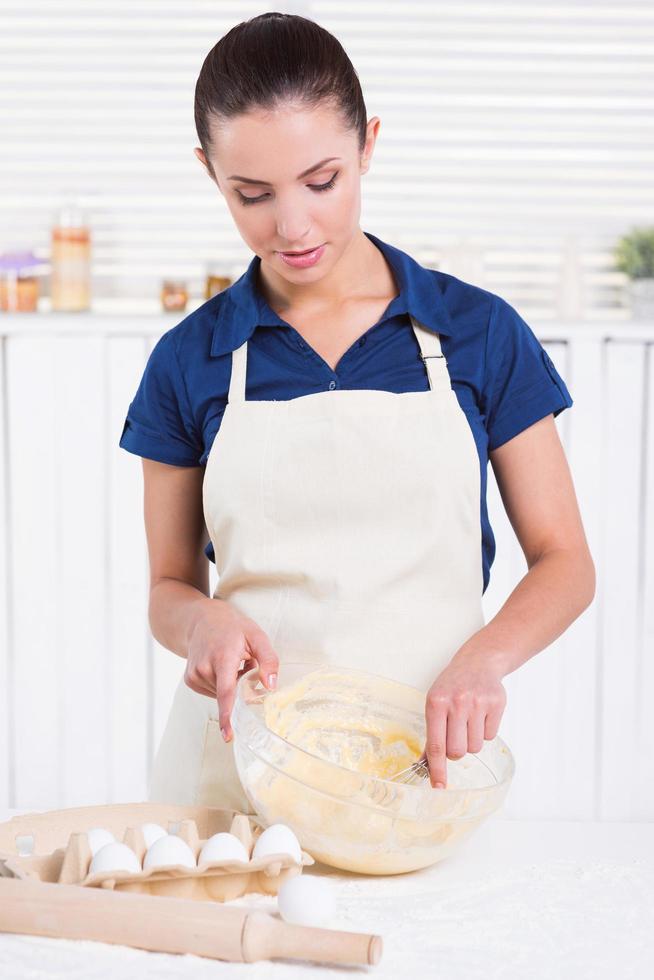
463	707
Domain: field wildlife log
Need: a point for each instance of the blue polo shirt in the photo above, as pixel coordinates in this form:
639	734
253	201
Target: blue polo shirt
503	378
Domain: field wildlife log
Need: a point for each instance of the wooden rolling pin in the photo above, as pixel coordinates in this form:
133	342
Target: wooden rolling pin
172	925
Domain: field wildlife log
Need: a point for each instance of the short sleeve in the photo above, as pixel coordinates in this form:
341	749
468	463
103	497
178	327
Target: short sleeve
521	384
159	423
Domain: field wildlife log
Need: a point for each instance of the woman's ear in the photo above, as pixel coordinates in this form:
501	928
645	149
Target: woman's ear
372	130
199	152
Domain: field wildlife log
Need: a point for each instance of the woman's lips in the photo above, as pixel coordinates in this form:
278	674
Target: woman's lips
303	259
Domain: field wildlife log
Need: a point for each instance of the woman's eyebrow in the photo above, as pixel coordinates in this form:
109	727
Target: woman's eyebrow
305	173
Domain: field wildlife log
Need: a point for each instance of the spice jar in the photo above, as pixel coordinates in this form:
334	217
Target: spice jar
216	280
174	295
19	284
71	261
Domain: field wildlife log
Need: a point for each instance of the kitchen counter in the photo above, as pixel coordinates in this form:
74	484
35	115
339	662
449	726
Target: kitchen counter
521	900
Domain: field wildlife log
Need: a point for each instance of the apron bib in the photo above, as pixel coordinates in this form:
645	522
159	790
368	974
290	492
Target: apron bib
346	524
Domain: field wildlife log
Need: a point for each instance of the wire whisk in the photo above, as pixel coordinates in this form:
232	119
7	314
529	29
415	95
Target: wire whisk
381	792
416	773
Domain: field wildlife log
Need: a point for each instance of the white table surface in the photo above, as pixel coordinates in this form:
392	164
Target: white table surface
521	900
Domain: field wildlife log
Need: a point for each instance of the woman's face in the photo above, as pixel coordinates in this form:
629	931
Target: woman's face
279	207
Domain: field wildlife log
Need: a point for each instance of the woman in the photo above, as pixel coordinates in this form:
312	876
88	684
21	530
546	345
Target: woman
321	429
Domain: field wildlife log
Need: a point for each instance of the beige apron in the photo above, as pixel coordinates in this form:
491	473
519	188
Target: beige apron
346	524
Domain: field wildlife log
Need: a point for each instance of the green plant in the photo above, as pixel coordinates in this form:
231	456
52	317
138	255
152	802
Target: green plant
634	253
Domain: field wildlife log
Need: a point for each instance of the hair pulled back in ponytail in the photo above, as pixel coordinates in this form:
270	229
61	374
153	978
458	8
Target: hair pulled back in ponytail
276	58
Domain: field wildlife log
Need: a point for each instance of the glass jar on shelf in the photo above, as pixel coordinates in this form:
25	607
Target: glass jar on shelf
19	284
174	295
70	283
216	280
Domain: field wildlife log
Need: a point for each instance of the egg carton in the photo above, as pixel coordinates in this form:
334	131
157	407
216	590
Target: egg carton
219	881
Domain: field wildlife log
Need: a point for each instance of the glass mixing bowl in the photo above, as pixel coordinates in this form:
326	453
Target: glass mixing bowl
346	818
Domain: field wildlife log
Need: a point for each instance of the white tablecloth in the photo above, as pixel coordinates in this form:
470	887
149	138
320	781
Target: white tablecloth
521	900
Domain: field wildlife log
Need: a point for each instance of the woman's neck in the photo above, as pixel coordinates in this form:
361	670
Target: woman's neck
361	269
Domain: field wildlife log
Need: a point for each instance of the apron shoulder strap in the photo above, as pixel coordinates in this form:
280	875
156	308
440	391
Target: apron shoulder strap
432	356
239	371
430	348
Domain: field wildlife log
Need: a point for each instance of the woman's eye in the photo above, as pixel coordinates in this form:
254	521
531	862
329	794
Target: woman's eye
324	187
314	187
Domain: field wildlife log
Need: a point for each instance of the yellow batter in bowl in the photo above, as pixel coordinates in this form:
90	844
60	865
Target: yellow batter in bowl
317	754
329	720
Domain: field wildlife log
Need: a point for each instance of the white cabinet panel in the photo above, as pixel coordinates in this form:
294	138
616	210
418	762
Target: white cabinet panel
87	688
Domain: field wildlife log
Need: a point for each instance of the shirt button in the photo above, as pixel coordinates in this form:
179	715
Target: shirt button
362	342
332	385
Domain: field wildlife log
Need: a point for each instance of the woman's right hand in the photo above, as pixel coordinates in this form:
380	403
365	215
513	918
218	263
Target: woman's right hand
221	638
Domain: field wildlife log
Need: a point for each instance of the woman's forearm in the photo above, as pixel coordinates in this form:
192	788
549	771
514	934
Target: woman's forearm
553	593
172	612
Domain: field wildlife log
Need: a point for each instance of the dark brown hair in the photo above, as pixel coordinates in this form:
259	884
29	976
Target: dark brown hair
274	58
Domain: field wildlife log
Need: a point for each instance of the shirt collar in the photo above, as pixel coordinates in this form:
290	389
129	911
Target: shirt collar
244	308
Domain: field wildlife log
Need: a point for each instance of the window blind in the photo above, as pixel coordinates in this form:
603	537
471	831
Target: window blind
516	141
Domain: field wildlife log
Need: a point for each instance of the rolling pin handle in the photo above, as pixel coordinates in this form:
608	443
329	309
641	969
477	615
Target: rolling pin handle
266	937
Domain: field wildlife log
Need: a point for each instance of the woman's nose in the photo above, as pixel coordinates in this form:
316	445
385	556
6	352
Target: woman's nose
293	228
294	240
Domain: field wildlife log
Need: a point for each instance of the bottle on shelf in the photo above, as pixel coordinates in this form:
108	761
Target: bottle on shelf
70	282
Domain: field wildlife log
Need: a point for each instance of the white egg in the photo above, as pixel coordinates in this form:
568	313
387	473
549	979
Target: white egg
277	839
223	847
98	837
307	900
114	857
169	850
152	832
